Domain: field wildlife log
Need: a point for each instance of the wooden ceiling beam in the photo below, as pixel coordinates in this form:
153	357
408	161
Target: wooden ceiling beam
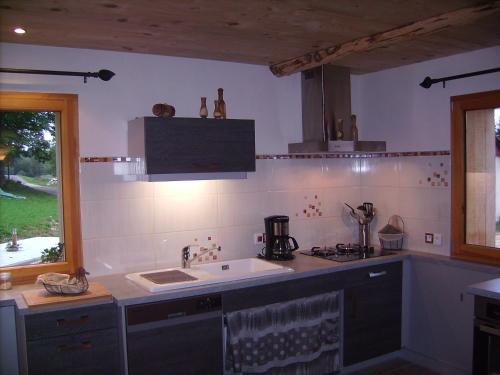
396	35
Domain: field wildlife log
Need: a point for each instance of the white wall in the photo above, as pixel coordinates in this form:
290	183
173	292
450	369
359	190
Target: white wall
143	225
250	91
392	106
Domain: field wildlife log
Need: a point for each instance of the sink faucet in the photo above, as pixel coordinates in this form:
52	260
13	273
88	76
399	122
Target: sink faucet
186	262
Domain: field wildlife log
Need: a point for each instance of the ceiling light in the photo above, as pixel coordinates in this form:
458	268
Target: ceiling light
19	30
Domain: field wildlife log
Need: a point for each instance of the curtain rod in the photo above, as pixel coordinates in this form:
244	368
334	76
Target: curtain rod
428	81
103	74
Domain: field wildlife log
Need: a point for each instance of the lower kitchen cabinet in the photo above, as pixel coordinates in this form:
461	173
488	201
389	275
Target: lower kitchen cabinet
175	337
372	312
8	341
76	341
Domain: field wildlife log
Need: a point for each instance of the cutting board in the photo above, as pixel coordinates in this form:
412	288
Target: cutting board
40	297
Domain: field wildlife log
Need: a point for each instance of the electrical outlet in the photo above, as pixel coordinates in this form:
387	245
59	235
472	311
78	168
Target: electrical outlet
258	238
429	238
438	239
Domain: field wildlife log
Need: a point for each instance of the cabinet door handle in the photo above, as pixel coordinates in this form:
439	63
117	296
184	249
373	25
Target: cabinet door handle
63	322
489	330
84	345
377	274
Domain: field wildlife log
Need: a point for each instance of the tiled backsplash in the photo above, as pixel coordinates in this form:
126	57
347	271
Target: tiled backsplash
130	226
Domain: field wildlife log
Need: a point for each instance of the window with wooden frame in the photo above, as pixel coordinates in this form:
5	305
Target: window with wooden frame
475	159
65	108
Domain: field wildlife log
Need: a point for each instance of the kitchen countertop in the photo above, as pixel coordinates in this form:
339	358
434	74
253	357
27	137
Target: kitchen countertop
128	293
489	289
125	292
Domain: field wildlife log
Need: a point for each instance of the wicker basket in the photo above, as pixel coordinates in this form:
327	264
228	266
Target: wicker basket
392	241
68	289
78	285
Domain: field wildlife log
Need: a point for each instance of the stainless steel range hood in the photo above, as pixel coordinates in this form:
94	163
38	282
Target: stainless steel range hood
326	98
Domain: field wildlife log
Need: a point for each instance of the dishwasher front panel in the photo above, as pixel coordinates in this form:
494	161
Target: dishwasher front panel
186	340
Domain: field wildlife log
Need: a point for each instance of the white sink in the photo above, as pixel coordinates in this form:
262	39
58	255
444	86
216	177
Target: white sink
210	273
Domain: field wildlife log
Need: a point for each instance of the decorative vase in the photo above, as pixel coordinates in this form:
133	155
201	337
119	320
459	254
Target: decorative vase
340	130
217	113
222	104
354	129
203	108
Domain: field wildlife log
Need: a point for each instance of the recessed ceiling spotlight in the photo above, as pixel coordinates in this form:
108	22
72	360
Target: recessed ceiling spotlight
19	30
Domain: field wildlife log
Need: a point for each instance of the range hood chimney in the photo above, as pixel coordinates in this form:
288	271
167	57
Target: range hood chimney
326	98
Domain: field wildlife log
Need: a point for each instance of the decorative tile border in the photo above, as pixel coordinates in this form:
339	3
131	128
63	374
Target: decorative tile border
351	155
108	159
326	155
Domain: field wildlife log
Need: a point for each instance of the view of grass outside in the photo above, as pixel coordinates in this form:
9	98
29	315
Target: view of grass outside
28	183
35	216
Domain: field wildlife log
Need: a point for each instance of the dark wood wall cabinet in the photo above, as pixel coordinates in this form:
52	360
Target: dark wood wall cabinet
192	145
77	341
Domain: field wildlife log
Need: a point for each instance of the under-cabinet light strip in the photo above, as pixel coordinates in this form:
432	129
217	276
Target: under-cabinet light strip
326	155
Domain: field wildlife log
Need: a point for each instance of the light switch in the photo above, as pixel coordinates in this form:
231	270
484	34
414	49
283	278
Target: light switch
438	239
429	238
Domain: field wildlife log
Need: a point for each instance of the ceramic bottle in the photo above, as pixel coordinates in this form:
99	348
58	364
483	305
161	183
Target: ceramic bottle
203	108
217	113
222	103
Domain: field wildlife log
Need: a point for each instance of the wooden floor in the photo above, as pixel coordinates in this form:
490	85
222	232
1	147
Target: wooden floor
395	367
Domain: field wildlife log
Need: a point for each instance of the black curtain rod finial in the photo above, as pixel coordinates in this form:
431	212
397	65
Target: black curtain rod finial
426	83
105	74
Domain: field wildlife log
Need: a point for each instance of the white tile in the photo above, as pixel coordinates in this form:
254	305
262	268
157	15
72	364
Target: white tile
242	208
107	218
168	246
137	253
134	190
346	230
425	203
340	172
140	216
333	200
385	199
379	172
323	231
255	181
165	189
237	242
122	254
424	171
295	204
185	212
103	257
291	175
310	232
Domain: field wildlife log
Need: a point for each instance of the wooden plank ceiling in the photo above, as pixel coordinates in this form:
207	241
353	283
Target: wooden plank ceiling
257	32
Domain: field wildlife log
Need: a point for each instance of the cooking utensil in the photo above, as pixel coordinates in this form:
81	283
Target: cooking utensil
368	206
352	209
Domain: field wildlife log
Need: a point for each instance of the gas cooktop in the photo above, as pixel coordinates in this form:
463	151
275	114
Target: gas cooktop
345	253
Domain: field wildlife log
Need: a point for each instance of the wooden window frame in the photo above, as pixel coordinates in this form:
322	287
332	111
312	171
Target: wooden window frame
67	106
459	106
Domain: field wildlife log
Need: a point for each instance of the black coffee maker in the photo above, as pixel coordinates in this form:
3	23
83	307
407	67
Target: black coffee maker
279	245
